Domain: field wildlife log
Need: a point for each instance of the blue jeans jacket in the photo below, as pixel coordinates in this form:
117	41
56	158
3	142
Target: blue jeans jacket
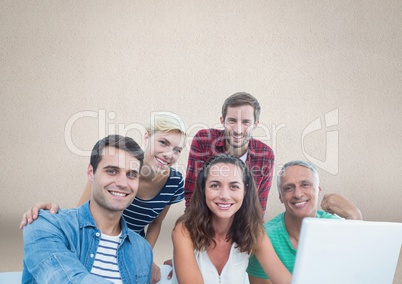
61	248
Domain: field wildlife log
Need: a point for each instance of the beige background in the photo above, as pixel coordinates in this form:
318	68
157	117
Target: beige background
78	70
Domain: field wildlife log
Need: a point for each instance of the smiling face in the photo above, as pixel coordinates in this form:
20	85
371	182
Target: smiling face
239	124
115	181
163	150
299	192
224	190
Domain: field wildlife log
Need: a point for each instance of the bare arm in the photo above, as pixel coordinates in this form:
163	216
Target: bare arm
185	264
86	195
155	226
153	231
270	262
256	280
339	205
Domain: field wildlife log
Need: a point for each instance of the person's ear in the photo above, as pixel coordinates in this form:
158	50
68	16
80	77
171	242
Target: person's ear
256	124
146	139
90	172
280	198
222	121
319	189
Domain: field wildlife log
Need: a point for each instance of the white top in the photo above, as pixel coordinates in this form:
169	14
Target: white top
244	157
234	270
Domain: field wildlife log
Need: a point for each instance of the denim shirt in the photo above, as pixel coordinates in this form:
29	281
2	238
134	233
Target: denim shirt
61	248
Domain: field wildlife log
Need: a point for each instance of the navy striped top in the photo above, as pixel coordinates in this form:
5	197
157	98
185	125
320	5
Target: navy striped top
105	263
142	212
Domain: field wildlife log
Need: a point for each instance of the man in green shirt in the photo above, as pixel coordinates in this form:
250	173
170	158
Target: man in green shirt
299	189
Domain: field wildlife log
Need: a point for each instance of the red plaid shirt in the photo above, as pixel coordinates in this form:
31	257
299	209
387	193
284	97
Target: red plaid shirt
211	142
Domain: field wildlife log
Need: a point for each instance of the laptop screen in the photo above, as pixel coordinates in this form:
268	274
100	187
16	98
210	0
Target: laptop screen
347	251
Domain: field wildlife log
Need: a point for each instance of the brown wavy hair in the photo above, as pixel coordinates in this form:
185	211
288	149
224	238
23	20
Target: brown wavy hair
240	99
247	222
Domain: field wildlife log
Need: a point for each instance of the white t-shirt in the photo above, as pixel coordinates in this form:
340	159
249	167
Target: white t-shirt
234	270
244	157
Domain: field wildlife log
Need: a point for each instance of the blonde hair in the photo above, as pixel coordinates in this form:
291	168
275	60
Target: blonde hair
165	121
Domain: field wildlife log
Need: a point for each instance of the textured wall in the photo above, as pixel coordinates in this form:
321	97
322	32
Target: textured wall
327	74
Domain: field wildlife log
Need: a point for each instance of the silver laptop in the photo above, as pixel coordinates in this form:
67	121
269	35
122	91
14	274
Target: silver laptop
347	251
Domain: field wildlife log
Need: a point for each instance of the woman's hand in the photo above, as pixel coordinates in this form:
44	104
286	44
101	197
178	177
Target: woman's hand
169	262
32	213
156	273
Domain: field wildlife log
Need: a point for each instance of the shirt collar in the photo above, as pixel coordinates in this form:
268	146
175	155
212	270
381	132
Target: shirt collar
86	220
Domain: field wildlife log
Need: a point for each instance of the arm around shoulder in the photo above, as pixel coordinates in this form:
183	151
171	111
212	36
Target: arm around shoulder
32	213
86	195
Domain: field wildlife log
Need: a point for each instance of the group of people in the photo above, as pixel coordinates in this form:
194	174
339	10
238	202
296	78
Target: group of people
219	237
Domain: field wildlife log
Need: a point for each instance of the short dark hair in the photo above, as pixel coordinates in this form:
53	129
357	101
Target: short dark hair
124	143
240	99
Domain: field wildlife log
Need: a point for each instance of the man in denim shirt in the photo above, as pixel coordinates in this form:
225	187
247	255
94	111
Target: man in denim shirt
92	244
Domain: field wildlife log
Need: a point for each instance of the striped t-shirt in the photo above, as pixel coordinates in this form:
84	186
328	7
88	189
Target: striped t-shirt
142	212
105	263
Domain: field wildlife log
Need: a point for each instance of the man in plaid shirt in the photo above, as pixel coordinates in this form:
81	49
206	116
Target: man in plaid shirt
240	116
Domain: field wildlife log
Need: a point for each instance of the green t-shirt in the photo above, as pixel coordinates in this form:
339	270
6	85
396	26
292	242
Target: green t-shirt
280	240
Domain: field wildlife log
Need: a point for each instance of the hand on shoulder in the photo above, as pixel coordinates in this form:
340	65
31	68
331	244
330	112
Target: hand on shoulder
32	213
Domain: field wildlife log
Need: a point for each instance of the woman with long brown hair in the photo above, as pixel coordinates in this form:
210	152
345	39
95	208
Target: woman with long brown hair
222	227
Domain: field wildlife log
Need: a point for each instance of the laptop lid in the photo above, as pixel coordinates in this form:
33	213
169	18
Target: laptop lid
347	251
